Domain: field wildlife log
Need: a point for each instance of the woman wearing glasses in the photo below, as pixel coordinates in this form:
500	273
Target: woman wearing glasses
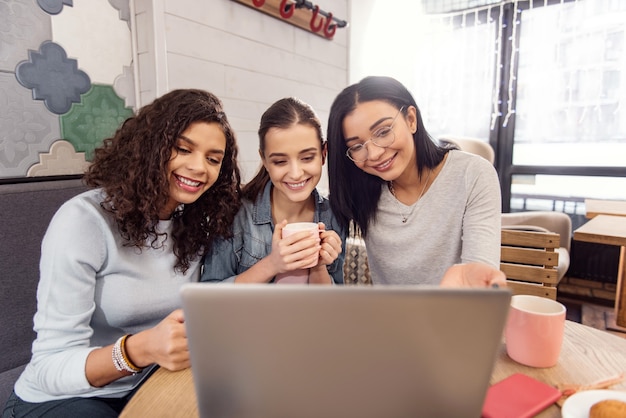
421	208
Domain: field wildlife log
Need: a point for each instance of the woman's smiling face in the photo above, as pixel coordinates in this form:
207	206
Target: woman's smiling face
293	158
195	164
360	125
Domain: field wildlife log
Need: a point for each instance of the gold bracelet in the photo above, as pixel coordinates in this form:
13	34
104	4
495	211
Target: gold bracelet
120	359
129	363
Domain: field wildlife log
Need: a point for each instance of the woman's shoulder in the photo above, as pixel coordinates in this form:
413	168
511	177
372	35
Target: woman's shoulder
250	213
248	207
82	215
463	160
84	205
88	197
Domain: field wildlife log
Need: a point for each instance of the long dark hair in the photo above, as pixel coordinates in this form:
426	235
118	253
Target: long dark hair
354	194
282	114
131	167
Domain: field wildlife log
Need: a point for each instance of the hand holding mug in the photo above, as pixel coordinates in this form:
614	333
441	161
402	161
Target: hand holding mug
299	248
291	251
331	245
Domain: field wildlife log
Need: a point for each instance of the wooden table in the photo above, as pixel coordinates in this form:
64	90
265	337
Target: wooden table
594	207
611	230
588	355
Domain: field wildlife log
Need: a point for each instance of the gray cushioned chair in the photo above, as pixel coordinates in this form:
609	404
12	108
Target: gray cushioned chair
26	210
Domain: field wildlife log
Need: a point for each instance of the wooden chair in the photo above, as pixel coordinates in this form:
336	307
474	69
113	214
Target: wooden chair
545	221
529	261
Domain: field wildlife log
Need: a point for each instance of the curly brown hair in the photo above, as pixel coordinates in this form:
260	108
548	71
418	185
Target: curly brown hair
131	167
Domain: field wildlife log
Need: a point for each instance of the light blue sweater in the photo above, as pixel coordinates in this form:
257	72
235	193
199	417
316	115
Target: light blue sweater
92	290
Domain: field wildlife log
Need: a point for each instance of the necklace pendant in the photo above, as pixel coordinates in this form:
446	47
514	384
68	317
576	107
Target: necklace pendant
404	219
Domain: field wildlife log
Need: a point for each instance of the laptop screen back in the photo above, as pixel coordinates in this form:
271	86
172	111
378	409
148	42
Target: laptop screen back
342	351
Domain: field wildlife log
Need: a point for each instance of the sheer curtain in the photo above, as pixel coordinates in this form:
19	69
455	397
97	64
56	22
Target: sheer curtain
569	57
545	77
570	95
571	66
455	71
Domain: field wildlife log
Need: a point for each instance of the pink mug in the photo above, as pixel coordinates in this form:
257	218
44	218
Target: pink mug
301	275
534	330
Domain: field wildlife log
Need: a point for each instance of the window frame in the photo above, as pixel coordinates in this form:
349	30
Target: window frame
502	138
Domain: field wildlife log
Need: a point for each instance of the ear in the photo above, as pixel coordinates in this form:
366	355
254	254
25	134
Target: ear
324	151
262	158
411	118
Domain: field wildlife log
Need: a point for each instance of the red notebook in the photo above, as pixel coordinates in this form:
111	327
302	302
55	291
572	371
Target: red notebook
518	396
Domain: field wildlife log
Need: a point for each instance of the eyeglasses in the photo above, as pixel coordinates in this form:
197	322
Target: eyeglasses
382	137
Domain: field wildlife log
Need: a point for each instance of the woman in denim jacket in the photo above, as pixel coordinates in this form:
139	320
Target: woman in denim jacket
283	191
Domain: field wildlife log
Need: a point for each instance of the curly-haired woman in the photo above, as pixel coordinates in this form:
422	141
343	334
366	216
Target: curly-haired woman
113	258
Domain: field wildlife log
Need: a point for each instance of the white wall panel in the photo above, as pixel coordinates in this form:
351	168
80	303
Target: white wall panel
248	59
147	80
143	32
190	72
236	19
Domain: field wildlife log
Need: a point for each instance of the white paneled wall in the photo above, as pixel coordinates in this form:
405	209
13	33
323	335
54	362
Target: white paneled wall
245	57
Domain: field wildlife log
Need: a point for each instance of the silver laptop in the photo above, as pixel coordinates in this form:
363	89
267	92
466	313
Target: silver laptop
293	351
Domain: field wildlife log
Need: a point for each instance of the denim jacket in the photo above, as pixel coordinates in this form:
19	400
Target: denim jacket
252	240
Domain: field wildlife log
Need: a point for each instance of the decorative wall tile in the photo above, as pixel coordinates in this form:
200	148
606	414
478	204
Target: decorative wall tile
124	86
23	26
53	6
92	33
123	7
36	38
61	160
96	118
53	77
26	128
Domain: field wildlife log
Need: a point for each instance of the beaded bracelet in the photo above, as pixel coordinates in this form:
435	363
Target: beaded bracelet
120	358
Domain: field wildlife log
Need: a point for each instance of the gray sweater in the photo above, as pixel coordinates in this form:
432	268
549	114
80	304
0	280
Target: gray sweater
92	290
457	220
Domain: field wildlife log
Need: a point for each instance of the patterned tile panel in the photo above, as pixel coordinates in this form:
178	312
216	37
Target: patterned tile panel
53	77
54	7
124	86
92	33
123	7
94	119
54	128
61	160
23	26
26	128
